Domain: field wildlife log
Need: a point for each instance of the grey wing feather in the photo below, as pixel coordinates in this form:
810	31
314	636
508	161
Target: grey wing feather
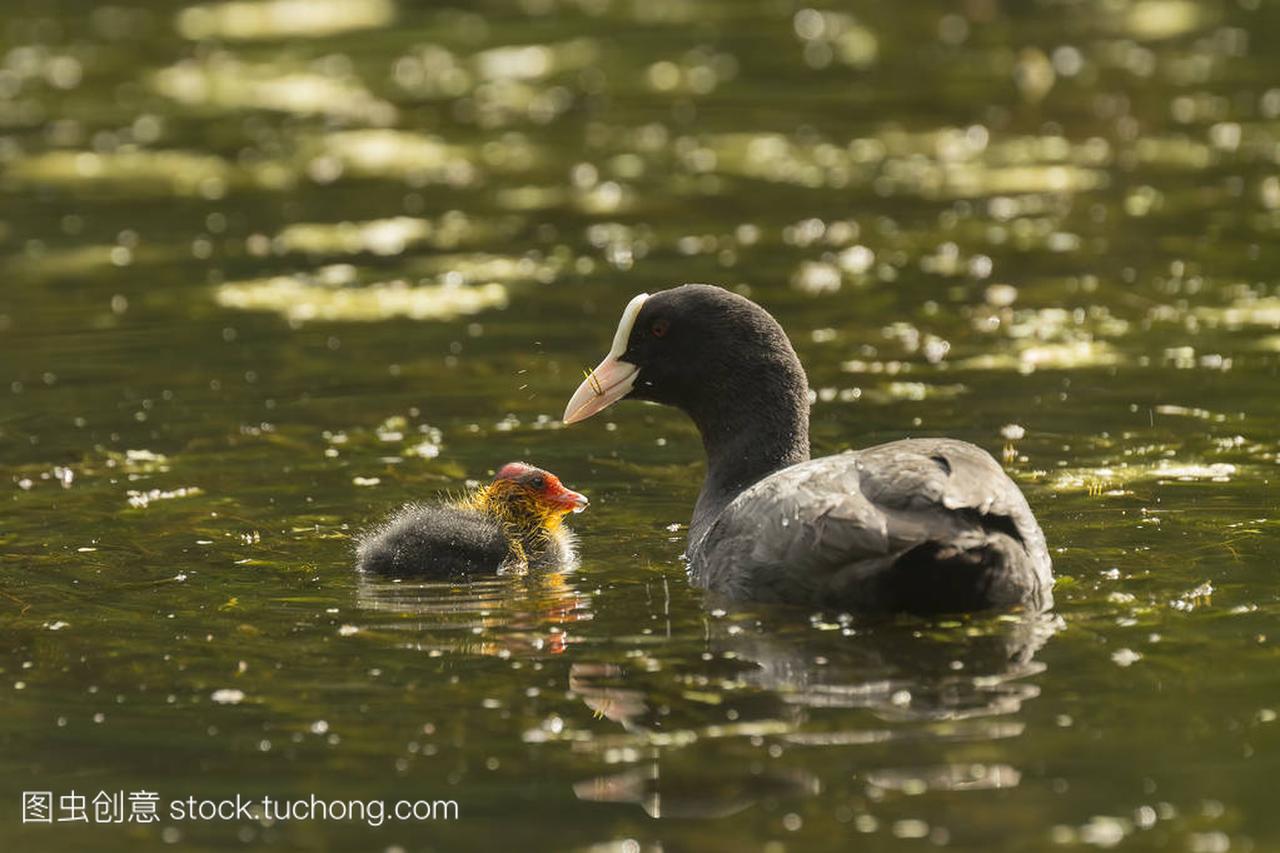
830	521
940	473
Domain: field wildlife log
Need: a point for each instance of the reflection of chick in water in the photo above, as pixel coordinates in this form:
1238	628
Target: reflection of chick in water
514	522
527	615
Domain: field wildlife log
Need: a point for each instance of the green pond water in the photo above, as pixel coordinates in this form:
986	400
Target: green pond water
270	269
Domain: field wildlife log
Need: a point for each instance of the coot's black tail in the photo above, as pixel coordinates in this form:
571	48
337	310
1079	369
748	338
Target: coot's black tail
947	578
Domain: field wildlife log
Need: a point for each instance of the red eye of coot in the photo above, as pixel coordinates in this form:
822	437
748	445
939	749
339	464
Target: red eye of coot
659	328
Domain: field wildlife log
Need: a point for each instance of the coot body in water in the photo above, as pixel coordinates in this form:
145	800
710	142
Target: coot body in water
516	521
924	525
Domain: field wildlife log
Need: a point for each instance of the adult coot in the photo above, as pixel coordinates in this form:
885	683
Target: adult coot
924	525
516	521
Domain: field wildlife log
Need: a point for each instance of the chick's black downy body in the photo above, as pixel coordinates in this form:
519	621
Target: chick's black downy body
514	522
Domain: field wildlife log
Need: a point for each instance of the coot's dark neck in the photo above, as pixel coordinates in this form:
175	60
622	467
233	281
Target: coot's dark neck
756	424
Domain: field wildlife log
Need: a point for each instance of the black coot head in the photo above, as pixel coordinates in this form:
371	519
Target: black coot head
682	338
693	347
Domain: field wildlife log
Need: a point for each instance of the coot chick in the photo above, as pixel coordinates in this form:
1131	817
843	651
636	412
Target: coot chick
923	525
514	522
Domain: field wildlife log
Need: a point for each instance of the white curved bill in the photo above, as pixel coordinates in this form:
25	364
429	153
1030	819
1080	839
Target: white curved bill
613	378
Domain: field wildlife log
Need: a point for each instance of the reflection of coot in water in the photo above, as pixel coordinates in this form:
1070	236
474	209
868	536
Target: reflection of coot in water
875	686
705	795
514	521
927	525
787	674
903	674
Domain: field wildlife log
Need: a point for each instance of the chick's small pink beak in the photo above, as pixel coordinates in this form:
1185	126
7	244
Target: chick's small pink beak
569	499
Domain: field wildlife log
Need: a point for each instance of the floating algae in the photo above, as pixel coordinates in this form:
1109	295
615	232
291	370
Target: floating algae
535	61
224	83
331	295
136	170
391	236
92	259
946	163
272	19
1030	356
481	267
1049	338
1246	311
396	154
143	499
1156	20
1113	480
